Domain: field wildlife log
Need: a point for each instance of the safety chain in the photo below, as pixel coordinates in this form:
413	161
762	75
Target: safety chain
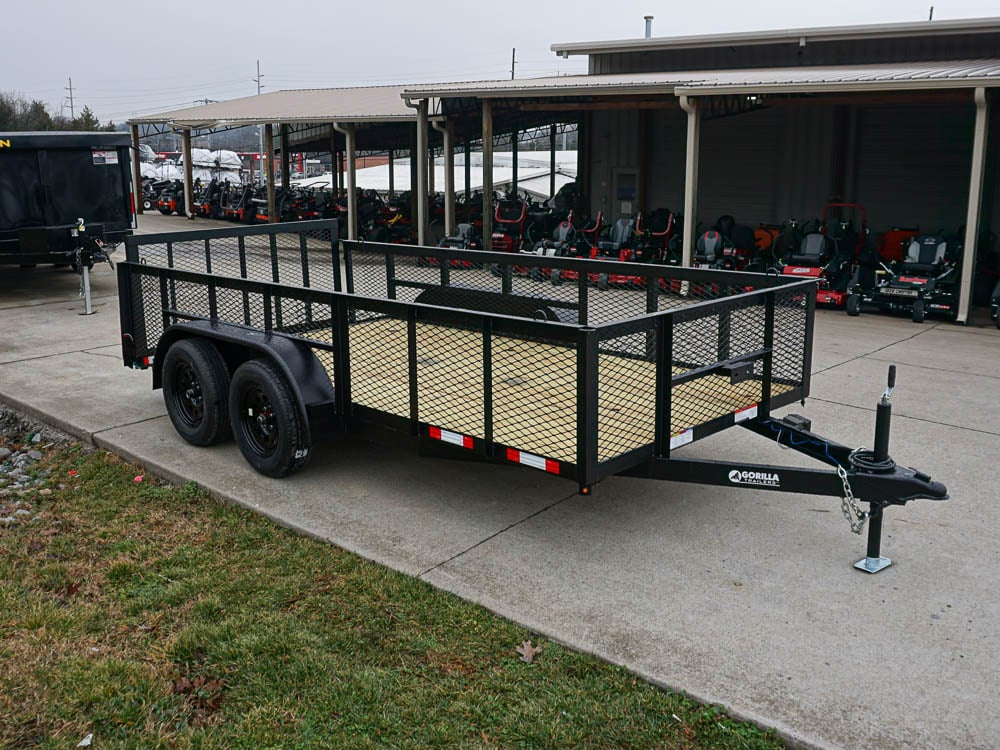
849	505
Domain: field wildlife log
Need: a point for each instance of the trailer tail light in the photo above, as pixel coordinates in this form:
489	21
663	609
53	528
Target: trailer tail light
535	462
446	436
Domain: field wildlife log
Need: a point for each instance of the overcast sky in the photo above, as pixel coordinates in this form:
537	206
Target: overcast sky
129	58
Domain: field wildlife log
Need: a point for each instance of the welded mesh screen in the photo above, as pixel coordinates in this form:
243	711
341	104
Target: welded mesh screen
790	317
534	396
297	258
450	378
379	361
626	396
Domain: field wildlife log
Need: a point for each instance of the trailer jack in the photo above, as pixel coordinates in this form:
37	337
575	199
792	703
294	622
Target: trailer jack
88	250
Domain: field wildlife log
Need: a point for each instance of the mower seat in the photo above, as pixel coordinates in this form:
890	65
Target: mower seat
724	225
709	247
815	250
925	255
620	236
463	239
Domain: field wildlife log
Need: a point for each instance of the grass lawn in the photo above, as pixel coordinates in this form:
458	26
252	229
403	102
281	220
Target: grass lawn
153	616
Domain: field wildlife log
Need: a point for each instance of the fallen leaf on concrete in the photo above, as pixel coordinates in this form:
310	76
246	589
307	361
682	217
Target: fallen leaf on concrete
528	652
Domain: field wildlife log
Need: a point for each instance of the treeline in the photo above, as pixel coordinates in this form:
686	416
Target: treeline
19	114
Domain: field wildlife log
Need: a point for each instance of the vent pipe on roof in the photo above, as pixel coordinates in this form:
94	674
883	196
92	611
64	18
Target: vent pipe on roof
649	25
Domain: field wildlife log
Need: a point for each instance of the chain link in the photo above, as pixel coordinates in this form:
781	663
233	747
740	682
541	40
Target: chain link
849	505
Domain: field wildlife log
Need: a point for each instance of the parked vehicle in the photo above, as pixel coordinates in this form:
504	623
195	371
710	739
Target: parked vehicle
566	384
49	182
926	281
830	252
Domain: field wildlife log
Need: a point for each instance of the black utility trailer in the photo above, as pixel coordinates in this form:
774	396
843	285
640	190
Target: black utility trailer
50	181
267	333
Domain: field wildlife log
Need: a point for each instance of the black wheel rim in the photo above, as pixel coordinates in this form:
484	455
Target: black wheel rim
188	395
257	420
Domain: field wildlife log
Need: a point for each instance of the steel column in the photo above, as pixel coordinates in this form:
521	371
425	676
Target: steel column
690	177
552	161
268	155
136	172
422	172
188	174
352	178
513	161
286	171
487	174
392	173
975	201
447	130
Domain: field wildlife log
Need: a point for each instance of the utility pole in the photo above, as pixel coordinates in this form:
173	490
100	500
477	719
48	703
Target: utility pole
513	62
72	111
260	132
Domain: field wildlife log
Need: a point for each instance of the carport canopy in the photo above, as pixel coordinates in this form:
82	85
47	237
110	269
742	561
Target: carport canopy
374	115
742	88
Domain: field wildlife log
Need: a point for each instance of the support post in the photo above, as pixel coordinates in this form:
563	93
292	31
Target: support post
413	176
552	160
334	187
487	174
268	155
447	130
513	161
422	172
188	173
690	177
136	171
286	170
392	172
975	201
352	178
468	168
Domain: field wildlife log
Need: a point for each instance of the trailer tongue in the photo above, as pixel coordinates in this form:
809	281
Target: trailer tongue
268	332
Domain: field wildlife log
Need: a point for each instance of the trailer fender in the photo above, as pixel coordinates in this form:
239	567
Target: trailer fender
306	375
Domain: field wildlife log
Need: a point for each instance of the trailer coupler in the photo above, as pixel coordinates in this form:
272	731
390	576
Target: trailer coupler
858	475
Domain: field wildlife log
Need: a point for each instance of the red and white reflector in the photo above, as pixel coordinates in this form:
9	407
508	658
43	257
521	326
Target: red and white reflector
446	436
681	438
535	462
749	412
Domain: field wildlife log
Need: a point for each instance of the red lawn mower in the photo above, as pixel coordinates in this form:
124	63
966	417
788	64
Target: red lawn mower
830	252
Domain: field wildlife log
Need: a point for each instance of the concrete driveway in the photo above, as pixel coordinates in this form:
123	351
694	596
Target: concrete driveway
746	599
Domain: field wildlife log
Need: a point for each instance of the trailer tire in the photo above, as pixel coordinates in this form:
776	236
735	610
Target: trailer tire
918	311
266	419
195	391
602	282
853	305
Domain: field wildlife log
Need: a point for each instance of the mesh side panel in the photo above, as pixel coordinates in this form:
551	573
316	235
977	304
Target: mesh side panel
450	378
294	258
189	298
534	397
626	397
379	363
789	337
153	321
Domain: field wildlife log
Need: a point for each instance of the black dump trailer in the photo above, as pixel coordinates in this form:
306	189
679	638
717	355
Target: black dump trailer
270	333
51	181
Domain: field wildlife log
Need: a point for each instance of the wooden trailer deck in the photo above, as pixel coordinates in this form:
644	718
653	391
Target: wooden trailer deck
534	389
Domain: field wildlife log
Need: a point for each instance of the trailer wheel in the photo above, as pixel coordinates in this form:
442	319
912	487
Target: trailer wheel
602	282
853	305
918	311
195	387
266	420
147	204
556	277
